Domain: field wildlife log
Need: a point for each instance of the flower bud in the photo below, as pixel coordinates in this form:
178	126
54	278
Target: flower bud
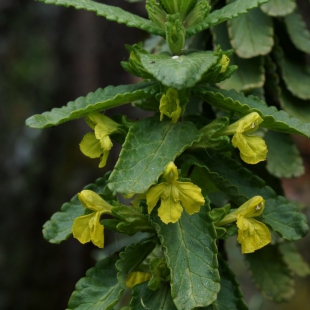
183	7
175	34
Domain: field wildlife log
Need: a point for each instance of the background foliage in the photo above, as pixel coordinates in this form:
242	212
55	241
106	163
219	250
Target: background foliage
41	49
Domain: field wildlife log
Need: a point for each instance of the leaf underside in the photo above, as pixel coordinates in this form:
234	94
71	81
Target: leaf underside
279	7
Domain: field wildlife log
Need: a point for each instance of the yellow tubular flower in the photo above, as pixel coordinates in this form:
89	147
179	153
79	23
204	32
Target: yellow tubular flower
253	149
252	234
98	144
175	196
224	61
170	105
87	227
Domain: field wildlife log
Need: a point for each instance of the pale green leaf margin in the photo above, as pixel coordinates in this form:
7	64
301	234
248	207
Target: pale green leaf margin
298	31
101	99
279	7
232	101
111	13
228	12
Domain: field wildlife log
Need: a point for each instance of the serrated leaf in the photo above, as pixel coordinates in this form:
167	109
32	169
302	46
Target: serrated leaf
131	220
101	99
182	72
191	255
111	13
237	182
283	158
279	7
150	145
270	273
230	296
132	257
59	227
295	74
293	259
298	31
242	105
284	217
250	73
143	298
228	12
99	289
294	106
251	34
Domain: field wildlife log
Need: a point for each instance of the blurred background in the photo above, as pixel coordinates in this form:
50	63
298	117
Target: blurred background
49	56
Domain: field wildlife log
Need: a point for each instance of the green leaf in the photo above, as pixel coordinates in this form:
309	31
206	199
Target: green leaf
131	220
228	12
298	31
270	274
283	158
279	7
99	289
250	73
143	298
293	259
191	255
295	73
251	34
101	99
59	227
237	182
132	257
230	296
111	13
150	145
242	105
178	71
294	106
284	217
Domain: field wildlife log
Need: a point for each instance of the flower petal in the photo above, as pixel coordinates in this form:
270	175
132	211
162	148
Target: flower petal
94	202
96	230
253	149
170	105
190	196
170	210
102	134
104	158
137	277
252	234
171	173
80	228
252	207
96	118
90	146
153	195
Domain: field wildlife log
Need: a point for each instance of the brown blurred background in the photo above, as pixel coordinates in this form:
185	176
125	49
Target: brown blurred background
48	56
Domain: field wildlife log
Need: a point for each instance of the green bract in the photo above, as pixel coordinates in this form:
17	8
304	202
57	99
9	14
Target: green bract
204	103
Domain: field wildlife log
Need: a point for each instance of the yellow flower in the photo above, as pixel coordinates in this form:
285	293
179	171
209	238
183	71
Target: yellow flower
87	227
137	277
174	194
224	61
253	149
252	234
170	105
98	144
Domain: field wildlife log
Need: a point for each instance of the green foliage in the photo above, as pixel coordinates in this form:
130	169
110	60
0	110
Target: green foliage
99	289
189	247
181	264
150	145
270	273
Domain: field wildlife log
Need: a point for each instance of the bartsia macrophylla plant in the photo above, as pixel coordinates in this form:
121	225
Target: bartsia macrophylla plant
190	188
